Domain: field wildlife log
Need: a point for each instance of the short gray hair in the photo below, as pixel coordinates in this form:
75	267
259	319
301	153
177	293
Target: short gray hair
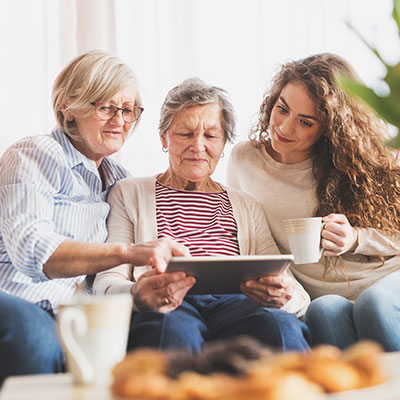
195	92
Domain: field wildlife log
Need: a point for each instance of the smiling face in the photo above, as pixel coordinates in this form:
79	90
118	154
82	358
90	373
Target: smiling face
98	138
195	141
293	125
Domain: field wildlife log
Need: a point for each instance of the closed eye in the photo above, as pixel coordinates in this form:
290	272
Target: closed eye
306	123
210	135
282	110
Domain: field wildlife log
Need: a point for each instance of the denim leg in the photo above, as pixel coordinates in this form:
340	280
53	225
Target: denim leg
28	339
238	315
183	327
377	312
330	321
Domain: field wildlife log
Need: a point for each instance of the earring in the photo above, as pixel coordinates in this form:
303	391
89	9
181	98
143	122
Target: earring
222	155
165	149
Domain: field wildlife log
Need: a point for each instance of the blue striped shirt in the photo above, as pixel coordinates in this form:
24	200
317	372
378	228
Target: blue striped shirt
49	192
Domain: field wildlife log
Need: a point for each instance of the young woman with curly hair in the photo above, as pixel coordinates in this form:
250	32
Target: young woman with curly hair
318	152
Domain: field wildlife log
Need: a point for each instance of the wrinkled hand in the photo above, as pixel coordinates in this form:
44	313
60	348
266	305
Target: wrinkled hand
161	292
155	253
270	291
338	236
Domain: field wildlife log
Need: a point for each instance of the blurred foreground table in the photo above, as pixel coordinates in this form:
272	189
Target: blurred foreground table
50	387
61	387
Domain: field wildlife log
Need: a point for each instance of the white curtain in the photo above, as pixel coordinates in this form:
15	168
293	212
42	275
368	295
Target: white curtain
235	44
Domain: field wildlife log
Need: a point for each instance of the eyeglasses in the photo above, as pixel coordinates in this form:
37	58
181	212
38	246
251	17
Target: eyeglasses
107	111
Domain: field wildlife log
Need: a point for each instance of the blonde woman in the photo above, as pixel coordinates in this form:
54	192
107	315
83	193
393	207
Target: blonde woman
53	210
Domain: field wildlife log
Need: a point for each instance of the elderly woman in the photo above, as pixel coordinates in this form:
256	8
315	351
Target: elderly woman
53	209
186	204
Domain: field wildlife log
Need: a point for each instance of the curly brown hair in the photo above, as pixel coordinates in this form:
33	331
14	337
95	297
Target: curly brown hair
357	175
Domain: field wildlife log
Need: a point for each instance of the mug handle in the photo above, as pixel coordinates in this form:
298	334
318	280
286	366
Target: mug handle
72	323
321	249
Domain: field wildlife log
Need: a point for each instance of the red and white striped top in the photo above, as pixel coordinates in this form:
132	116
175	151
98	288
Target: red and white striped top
203	222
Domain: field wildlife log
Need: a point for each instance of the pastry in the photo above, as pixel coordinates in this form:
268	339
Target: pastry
241	368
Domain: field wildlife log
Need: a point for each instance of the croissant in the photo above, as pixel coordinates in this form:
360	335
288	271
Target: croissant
243	369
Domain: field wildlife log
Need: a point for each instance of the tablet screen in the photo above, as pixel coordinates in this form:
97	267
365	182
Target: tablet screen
223	275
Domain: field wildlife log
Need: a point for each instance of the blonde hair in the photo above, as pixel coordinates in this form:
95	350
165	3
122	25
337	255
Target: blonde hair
90	77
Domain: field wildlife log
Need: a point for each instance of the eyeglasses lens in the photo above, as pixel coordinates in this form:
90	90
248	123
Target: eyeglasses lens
106	111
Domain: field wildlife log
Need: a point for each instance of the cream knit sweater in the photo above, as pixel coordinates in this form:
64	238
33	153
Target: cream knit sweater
288	191
132	219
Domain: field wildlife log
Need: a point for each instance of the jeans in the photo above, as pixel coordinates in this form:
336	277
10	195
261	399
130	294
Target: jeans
375	315
202	318
28	339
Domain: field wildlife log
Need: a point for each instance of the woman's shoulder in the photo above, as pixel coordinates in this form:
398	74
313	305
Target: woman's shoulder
246	150
134	184
44	143
133	191
242	197
137	180
33	148
246	146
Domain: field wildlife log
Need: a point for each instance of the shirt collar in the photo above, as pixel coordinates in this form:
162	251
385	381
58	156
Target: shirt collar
75	158
109	171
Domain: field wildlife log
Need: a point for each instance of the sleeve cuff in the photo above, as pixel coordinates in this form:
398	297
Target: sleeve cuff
362	242
299	303
43	251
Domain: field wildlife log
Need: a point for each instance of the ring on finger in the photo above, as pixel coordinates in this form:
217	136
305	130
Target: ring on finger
166	301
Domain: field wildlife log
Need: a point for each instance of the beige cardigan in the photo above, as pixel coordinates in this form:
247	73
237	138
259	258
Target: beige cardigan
289	191
132	219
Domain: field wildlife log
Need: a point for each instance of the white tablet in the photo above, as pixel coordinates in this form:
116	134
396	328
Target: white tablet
223	274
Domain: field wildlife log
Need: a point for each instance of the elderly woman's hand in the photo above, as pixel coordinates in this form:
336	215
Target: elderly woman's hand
161	292
155	253
338	236
270	291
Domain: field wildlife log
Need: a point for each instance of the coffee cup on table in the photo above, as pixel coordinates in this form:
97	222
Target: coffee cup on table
304	237
94	333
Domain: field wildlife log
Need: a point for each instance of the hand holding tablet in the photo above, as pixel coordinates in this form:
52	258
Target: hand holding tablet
224	274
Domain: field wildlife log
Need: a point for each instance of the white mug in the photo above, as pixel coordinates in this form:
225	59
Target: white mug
94	333
304	237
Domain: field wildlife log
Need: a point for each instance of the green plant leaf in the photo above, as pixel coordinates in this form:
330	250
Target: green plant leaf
396	13
392	78
387	107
